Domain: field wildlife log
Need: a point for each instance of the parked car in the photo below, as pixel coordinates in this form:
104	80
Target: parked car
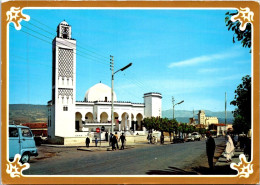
190	138
21	141
196	136
178	140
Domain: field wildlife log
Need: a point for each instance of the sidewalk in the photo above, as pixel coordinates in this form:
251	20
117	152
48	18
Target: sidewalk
235	159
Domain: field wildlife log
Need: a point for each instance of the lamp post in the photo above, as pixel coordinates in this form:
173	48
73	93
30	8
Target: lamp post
112	88
173	105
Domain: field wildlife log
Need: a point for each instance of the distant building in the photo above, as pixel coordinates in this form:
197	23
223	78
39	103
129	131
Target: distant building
38	129
202	119
220	128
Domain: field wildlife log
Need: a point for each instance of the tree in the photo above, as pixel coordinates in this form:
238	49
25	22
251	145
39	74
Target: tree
243	36
242	100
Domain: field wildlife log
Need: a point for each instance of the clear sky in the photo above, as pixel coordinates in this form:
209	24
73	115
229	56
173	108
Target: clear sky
188	54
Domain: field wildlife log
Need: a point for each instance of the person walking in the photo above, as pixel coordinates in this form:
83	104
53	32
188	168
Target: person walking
113	142
210	149
106	136
229	150
87	142
116	140
96	141
122	138
162	138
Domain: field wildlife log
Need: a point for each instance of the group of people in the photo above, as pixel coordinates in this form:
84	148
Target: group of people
114	141
151	139
231	145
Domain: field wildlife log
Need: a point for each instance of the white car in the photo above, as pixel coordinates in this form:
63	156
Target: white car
196	136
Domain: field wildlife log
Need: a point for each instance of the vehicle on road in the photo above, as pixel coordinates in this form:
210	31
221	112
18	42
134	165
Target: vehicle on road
196	136
178	140
21	141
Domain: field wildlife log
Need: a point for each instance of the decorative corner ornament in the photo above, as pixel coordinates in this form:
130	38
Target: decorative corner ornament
244	16
15	168
15	15
244	168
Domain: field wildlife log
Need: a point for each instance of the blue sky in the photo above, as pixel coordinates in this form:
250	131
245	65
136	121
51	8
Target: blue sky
188	54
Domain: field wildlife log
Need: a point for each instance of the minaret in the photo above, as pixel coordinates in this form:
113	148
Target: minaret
153	104
63	83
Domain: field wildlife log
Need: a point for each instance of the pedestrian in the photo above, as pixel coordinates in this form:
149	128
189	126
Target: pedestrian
87	142
162	138
110	139
106	136
247	149
210	149
229	150
122	138
116	140
235	140
113	142
96	141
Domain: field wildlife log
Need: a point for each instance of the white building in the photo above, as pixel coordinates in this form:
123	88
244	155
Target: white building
202	119
70	120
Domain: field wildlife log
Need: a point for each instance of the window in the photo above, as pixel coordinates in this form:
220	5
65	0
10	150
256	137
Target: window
65	108
13	132
26	132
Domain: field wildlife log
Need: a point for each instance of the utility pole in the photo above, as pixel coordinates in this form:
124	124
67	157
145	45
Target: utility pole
226	108
173	107
112	92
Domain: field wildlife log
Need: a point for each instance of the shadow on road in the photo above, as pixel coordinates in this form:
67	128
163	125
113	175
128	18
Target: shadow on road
170	171
218	170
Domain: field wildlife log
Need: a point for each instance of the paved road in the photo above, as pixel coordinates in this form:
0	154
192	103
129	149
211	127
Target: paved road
146	160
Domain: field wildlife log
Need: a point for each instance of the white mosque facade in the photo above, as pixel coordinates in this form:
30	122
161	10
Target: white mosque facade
68	119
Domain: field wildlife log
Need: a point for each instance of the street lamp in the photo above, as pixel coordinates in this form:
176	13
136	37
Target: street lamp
175	104
112	89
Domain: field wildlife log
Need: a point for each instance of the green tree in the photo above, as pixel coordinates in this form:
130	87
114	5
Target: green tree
243	36
242	101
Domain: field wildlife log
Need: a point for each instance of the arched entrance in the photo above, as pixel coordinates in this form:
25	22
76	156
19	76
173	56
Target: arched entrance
89	118
103	117
78	121
125	122
139	118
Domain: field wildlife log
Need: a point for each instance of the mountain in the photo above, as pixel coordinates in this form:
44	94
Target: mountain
184	115
26	113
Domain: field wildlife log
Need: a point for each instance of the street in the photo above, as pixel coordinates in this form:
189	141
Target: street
148	159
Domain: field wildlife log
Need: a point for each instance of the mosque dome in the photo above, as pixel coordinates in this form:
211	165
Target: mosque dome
99	92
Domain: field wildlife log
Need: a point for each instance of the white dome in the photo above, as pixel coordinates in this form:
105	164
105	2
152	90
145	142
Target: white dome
99	92
64	23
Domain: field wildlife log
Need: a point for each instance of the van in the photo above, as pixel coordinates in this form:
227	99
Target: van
21	141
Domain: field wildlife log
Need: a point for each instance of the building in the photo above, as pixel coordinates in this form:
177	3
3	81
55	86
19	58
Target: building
202	119
71	121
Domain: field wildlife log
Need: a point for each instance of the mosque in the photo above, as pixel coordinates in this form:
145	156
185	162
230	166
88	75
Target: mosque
71	121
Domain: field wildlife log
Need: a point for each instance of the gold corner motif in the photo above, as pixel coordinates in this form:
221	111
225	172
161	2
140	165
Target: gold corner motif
15	15
15	168
244	168
244	16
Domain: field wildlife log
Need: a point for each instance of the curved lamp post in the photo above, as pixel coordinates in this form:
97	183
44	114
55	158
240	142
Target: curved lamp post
112	89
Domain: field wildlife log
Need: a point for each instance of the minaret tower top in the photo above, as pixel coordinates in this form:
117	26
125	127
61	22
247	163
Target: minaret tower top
64	30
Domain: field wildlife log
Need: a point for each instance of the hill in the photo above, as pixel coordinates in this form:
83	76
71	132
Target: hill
26	113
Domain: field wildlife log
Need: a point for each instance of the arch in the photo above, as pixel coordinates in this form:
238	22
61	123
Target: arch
139	118
103	117
78	121
125	121
89	118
